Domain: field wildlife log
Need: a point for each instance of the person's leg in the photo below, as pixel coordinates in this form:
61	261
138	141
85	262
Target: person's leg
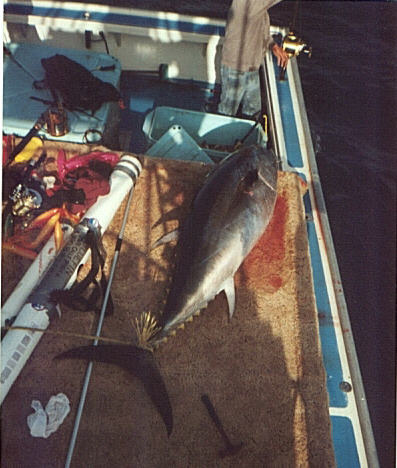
232	90
251	101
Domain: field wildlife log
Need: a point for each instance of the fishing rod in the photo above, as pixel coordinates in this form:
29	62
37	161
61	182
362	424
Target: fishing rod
53	103
293	45
260	118
85	336
54	120
98	333
297	13
38	125
9	54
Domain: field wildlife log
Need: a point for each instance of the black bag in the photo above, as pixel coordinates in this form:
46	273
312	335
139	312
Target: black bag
78	88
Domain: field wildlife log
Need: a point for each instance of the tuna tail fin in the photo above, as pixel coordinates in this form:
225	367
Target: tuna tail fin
138	362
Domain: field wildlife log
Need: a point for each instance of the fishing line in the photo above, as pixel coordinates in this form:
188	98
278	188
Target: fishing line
297	17
66	333
98	332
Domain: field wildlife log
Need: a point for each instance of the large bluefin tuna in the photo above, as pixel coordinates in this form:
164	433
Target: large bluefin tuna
229	214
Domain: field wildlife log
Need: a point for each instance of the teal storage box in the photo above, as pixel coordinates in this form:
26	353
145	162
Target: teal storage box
216	134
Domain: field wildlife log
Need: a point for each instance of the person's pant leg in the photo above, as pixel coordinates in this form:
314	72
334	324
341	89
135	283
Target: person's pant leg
232	90
251	101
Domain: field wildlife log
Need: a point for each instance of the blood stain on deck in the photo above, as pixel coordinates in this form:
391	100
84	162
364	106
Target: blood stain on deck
263	264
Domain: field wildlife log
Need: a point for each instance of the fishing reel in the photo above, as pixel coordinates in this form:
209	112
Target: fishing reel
21	208
25	197
24	200
294	46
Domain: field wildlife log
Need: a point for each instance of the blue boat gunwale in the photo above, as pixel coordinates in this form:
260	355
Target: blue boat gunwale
356	409
117	16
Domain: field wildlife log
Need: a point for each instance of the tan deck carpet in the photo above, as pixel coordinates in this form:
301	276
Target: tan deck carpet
262	370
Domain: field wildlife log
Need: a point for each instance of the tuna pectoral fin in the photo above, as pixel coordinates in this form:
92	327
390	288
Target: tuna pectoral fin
228	287
137	361
169	237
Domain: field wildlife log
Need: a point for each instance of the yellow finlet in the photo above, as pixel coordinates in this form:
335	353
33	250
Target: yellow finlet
146	327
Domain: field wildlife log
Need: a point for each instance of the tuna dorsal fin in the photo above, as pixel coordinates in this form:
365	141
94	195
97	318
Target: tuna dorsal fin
228	287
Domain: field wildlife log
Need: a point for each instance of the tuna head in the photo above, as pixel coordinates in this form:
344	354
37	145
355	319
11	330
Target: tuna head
229	214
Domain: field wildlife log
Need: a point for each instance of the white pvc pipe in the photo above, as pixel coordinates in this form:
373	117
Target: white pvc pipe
102	210
120	184
18	345
31	278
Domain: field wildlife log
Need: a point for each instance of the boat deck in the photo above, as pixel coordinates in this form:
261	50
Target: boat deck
262	369
141	95
144	93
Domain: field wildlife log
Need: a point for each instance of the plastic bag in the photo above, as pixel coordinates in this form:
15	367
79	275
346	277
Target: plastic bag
42	423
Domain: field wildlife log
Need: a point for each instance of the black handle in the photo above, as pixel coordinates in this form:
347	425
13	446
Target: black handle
25	140
107	68
215	419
